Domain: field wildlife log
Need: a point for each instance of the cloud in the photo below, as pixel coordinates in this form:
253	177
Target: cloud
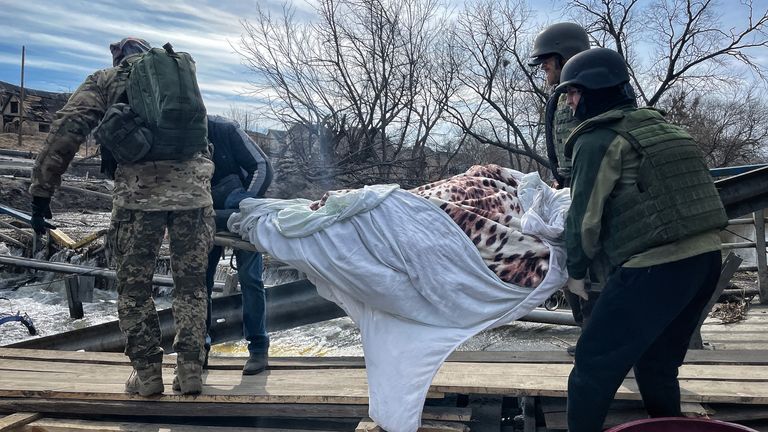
75	38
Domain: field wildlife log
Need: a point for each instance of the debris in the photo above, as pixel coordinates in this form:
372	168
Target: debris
24	319
731	312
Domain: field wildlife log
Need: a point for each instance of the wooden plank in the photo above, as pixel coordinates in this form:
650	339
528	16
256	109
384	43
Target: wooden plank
556	420
693	390
153	407
234	363
740	345
58	371
745	328
160	408
89	238
368	425
342	386
693	410
718	383
89	382
73	302
511	357
13	421
456	414
467	371
730	412
70	425
555	417
61	238
11	240
741	357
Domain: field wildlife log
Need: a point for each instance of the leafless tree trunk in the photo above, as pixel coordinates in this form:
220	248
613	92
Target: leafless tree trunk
360	81
691	46
247	118
729	131
501	100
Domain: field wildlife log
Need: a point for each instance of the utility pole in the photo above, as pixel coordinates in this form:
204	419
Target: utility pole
21	94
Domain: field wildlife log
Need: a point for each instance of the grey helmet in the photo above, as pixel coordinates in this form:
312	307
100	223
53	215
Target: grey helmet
594	69
566	39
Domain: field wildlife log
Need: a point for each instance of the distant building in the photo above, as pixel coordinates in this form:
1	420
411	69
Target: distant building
39	109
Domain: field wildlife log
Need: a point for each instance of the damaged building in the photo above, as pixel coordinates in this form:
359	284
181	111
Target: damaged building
39	109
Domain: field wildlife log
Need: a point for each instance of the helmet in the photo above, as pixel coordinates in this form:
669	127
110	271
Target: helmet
566	39
594	69
126	47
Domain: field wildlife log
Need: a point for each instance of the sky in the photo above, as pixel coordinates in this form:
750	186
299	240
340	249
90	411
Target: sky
66	40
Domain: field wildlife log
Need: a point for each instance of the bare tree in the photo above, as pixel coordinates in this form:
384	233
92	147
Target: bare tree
500	99
357	87
247	118
690	46
729	132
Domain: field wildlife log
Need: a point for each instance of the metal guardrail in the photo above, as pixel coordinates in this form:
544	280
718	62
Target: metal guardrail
745	191
734	170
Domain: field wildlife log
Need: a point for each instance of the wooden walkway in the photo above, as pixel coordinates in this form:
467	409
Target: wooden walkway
729	382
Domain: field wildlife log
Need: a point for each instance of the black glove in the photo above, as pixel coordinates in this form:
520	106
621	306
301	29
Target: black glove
41	208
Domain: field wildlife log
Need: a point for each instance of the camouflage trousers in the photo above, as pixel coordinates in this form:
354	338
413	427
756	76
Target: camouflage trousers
135	238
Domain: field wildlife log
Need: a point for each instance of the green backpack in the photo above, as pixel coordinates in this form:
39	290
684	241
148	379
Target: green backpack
165	118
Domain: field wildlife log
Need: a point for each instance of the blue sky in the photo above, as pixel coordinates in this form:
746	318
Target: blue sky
66	40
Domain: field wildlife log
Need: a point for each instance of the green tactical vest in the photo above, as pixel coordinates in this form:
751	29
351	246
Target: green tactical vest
564	123
674	197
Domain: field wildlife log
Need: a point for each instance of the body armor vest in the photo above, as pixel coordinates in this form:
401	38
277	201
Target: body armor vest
564	123
674	197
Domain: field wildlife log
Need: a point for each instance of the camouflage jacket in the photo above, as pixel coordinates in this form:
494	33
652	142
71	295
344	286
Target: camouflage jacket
149	186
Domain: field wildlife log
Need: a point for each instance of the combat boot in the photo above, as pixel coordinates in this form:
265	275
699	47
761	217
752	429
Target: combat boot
146	381
189	378
256	363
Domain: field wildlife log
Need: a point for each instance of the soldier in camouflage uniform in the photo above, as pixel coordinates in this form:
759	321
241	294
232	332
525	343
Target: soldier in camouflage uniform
148	199
552	48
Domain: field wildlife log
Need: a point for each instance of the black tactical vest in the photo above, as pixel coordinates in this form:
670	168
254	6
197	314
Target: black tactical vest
564	123
675	196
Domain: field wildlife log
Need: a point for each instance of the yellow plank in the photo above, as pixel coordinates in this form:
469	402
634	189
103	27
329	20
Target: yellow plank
89	238
61	238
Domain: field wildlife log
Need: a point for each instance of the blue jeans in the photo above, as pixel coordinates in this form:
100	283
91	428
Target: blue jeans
249	268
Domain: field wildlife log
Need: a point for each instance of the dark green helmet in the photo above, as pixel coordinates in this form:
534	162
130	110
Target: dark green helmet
594	69
566	39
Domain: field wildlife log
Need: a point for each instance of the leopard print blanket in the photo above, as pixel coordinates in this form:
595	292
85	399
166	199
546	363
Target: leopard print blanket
484	204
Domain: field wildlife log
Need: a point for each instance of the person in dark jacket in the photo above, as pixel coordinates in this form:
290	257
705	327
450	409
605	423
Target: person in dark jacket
642	196
552	49
242	170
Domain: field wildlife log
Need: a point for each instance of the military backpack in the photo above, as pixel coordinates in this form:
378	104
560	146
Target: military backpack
161	116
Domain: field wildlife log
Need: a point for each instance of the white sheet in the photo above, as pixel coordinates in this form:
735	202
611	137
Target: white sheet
407	275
